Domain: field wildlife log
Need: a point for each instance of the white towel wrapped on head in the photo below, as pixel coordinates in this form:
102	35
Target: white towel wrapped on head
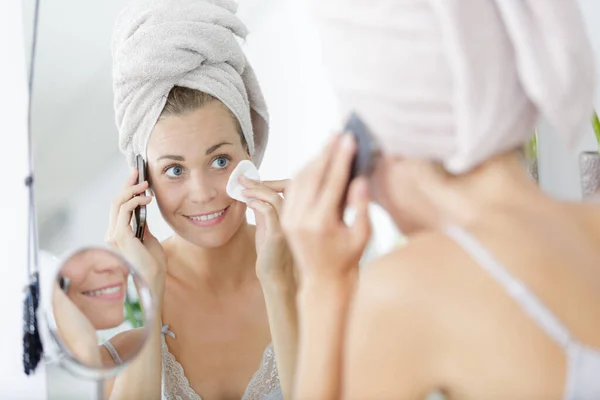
159	44
458	81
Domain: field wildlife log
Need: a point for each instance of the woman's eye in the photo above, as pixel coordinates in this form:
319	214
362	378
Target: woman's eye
174	171
220	162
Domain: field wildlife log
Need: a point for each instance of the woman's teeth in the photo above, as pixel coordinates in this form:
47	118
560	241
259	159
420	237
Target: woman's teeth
208	217
101	292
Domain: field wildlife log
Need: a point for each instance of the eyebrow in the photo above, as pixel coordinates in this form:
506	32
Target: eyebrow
214	148
209	151
176	158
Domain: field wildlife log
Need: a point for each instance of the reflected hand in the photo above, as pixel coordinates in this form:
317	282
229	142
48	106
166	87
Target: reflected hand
274	260
75	329
324	247
148	257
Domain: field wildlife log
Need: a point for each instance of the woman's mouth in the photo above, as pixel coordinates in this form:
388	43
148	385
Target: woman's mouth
208	219
112	292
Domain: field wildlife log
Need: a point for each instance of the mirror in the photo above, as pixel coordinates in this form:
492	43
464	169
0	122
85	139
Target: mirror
96	294
80	172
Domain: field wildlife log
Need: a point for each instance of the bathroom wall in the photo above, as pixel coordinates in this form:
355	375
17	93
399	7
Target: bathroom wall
14	384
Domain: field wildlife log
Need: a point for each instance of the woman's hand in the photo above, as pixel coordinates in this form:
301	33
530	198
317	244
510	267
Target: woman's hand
274	260
75	329
324	247
148	257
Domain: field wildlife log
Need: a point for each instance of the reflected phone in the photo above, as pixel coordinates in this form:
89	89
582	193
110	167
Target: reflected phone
366	153
139	215
64	283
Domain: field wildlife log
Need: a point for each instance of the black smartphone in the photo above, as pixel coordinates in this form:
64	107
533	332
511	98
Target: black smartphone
64	283
366	153
139	215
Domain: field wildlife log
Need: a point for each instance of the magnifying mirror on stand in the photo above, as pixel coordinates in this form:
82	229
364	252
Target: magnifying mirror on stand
93	296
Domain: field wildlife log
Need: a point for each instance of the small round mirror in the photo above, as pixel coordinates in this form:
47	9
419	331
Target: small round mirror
96	295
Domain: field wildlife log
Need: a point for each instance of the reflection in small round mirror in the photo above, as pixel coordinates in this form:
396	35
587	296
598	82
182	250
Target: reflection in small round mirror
96	295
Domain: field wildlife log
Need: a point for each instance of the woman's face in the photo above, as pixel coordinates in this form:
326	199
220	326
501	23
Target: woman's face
98	284
190	159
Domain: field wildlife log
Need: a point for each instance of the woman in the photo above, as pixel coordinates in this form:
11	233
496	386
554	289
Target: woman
97	285
497	293
186	99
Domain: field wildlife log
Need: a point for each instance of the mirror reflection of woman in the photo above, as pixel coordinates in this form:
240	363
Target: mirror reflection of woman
496	294
187	100
97	285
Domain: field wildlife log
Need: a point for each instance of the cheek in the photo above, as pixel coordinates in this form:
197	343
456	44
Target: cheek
169	197
222	179
77	276
124	272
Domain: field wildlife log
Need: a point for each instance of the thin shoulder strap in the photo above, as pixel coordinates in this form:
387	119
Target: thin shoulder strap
113	352
530	303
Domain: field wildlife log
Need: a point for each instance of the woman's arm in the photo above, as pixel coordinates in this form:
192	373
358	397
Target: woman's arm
323	308
275	270
280	299
327	253
75	330
142	379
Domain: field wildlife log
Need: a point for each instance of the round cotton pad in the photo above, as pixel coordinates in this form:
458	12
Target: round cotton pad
234	188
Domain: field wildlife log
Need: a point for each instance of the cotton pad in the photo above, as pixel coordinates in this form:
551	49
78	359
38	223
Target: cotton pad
234	188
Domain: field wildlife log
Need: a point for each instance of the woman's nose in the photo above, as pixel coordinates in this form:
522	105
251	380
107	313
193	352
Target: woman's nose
202	189
109	267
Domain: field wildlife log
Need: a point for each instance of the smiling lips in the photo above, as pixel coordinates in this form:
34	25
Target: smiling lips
111	292
210	219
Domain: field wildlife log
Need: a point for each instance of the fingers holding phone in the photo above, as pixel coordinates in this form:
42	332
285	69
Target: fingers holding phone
324	246
128	229
139	215
122	207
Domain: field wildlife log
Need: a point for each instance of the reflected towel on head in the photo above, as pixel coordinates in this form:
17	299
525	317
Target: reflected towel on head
159	44
458	81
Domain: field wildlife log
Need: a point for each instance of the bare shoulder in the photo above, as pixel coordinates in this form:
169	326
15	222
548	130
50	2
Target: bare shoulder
413	282
126	344
413	269
395	336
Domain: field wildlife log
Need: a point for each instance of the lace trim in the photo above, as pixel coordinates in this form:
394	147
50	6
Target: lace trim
264	383
175	385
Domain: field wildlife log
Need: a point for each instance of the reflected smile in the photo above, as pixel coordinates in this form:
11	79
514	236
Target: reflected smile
208	219
107	292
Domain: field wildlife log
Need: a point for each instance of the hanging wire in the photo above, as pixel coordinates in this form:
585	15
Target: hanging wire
32	261
32	344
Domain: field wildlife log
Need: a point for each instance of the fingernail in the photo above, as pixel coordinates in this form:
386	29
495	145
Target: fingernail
347	141
363	190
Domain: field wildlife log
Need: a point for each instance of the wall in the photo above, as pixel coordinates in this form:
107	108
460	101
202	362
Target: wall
558	165
14	384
